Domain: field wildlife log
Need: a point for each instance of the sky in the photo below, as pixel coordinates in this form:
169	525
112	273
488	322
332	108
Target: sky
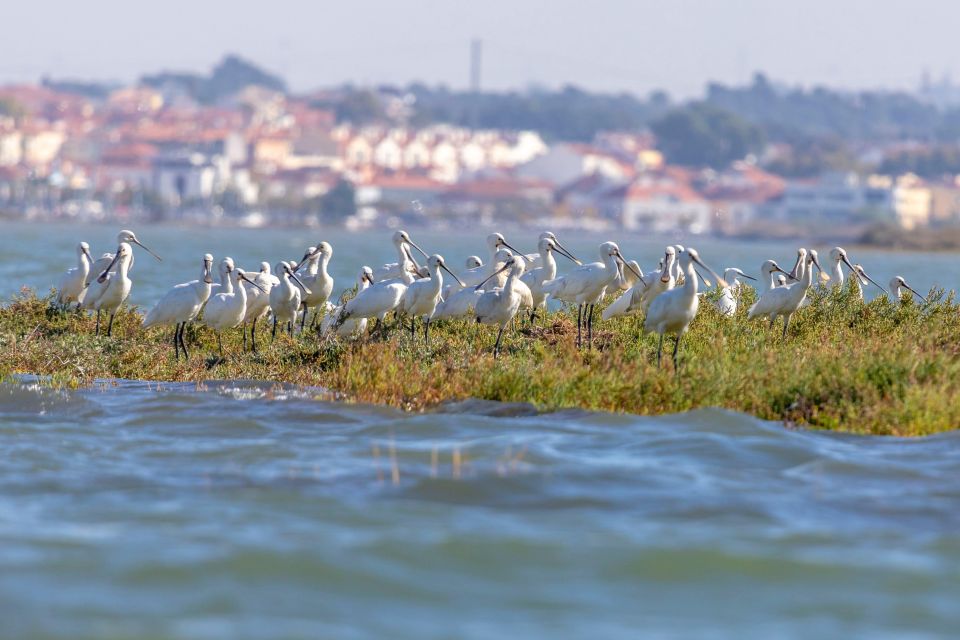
609	45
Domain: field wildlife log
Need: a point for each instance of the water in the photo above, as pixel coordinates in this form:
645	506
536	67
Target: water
249	510
244	510
36	255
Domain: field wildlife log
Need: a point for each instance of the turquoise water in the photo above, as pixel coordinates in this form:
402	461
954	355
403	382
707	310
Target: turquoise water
250	510
245	510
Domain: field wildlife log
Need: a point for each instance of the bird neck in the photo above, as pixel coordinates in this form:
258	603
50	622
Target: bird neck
690	280
241	290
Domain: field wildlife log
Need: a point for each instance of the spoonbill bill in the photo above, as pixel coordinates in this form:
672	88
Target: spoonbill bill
73	283
285	297
586	286
535	260
422	296
180	305
862	279
672	311
125	236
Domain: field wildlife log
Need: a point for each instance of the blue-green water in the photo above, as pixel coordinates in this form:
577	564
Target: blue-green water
244	510
248	510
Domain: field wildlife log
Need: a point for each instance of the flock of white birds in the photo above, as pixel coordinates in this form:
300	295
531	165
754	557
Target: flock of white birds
510	283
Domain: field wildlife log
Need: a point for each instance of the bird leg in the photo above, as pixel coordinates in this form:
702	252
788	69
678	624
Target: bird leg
660	351
176	344
676	351
110	325
273	334
303	320
590	328
426	332
496	346
290	327
786	322
98	323
579	316
253	335
244	336
219	345
183	344
413	328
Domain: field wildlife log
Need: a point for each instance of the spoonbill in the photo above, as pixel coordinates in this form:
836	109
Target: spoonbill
225	310
460	304
114	286
353	326
838	255
317	279
258	302
727	304
672	311
781	280
391	270
285	297
180	305
547	270
586	286
500	306
784	301
474	272
377	300
535	260
73	283
422	296
898	283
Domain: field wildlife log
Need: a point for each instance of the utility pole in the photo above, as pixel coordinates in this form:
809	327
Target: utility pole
476	51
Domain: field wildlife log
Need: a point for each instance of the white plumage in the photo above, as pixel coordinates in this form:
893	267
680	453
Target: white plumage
73	283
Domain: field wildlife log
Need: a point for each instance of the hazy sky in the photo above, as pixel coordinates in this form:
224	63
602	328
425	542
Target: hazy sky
635	45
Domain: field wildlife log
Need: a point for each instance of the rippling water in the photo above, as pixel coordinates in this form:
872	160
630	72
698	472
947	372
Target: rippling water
244	510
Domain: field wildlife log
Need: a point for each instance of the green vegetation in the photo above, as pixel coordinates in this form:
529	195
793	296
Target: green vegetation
882	367
701	134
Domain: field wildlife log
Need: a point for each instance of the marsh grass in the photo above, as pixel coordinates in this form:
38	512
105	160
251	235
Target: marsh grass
882	367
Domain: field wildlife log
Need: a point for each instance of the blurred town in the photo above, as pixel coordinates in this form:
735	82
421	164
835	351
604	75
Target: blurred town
236	147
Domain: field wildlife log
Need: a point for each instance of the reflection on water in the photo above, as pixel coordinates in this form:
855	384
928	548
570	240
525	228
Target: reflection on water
255	510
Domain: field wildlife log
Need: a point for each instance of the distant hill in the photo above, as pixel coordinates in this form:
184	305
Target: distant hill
230	76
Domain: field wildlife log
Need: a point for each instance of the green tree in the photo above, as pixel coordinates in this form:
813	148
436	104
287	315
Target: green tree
360	107
701	134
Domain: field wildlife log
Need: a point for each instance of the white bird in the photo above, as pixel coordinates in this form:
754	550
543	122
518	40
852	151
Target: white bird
535	260
391	270
258	302
727	304
675	270
377	300
180	305
633	287
422	296
317	279
353	326
672	311
285	297
547	270
113	287
473	262
786	300
586	285
781	280
73	283
460	304
225	310
657	282
500	306
838	255
898	283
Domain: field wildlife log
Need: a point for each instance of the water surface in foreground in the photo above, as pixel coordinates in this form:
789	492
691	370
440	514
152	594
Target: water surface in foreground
247	510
